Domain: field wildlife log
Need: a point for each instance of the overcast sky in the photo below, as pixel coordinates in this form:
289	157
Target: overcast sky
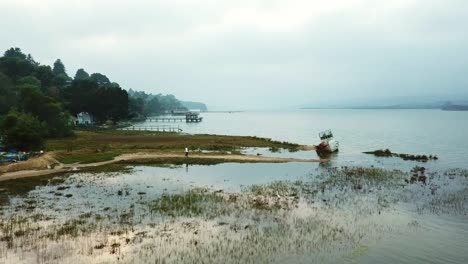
249	54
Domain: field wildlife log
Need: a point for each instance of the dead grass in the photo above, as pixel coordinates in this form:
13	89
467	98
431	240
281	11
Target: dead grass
38	163
130	141
97	146
85	157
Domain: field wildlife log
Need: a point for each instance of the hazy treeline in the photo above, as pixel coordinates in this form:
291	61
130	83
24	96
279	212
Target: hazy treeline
195	105
142	104
38	101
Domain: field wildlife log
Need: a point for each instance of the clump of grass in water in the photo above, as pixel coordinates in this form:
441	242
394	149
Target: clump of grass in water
388	153
196	202
282	188
274	150
368	173
204	203
70	228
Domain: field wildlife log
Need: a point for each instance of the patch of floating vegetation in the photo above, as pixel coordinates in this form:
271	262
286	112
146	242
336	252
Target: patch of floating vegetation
388	153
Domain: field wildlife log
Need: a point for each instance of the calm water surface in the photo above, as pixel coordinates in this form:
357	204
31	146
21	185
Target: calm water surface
437	236
441	133
443	239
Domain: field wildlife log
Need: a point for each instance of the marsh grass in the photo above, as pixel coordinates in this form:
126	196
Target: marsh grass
97	146
281	221
23	186
198	202
70	228
282	188
90	146
86	157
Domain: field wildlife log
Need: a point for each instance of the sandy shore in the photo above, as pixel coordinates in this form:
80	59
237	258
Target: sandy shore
59	167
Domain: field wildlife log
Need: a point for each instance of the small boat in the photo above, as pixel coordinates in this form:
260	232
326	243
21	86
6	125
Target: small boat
328	144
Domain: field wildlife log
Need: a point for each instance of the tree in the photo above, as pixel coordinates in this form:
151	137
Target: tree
15	64
80	96
8	96
31	60
81	74
15	53
44	74
61	80
169	102
153	106
59	68
60	74
53	92
118	109
22	131
110	103
136	107
46	109
29	80
100	79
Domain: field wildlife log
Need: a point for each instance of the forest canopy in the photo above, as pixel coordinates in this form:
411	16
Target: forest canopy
39	101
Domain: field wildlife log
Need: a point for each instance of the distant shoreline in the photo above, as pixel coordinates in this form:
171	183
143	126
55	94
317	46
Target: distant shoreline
461	108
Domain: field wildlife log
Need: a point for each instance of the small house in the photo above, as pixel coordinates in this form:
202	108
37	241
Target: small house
84	118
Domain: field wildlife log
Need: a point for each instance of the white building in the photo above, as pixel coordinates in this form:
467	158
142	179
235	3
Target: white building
84	118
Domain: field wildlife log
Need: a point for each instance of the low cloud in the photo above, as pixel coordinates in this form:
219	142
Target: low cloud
253	54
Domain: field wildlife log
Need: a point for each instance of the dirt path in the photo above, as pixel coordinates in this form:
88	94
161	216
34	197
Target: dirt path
146	156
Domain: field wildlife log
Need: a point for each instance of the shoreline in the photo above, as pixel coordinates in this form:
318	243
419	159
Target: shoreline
151	157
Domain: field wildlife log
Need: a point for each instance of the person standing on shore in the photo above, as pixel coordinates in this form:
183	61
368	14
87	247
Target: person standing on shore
186	152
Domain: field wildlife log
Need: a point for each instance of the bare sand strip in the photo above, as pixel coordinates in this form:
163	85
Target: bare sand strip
307	147
59	168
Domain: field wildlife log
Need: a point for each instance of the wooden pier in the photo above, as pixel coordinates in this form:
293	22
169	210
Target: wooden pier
165	119
153	128
189	118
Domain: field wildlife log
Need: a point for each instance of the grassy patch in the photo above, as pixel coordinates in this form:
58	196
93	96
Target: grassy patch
129	141
70	228
22	186
85	157
97	146
191	203
275	188
369	173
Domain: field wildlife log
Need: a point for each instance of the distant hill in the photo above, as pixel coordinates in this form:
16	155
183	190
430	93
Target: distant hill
454	107
194	105
460	105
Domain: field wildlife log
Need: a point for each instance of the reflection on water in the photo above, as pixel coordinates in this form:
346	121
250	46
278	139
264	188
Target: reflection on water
375	217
